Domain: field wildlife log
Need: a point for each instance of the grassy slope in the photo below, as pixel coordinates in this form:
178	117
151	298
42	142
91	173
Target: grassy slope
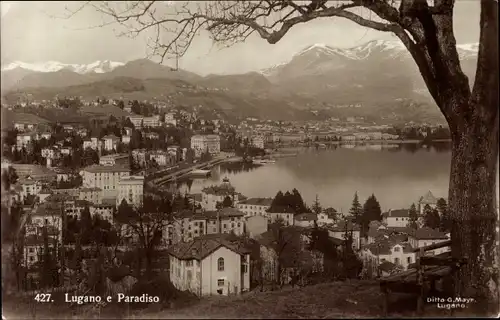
355	299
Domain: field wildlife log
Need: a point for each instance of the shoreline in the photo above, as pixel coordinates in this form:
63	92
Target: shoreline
379	141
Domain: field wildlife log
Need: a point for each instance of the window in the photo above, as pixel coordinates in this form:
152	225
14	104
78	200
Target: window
220	264
239	224
396	261
396	219
244	268
189	263
408	259
31	250
396	249
225	226
189	275
220	282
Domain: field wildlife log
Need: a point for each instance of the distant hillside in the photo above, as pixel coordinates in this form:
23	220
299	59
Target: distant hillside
104	110
10	117
377	73
179	92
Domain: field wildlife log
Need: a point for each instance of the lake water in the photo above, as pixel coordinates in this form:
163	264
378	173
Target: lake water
398	176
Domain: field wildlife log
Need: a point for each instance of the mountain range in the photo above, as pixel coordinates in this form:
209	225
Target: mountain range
374	73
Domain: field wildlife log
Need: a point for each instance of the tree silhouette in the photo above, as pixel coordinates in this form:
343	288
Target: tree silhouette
9	177
413	215
431	217
356	210
427	32
371	212
147	227
228	202
316	206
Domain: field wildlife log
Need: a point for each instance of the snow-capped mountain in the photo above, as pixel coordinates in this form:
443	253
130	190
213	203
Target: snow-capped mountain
370	51
379	67
54	66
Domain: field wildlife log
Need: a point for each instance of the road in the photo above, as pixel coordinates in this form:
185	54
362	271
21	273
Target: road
179	174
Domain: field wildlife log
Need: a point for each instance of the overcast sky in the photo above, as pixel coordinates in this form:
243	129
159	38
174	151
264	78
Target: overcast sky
30	33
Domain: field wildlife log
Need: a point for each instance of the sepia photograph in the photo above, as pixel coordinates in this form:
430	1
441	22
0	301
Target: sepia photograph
250	159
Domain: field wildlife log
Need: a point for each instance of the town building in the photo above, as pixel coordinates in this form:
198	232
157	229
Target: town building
203	143
327	216
305	220
24	140
106	178
33	250
22	126
110	142
92	143
152	135
213	195
188	225
396	218
131	189
210	266
340	229
399	253
162	158
258	142
136	120
425	236
93	195
48	213
170	119
121	159
427	199
152	122
139	156
51	153
126	139
29	187
255	206
286	217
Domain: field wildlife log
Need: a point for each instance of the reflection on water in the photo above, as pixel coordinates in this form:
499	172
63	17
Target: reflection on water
397	174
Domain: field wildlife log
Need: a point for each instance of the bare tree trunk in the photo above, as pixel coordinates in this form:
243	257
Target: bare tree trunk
472	208
472	198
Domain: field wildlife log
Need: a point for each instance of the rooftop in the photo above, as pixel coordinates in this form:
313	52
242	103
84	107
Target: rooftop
257	201
428	198
384	246
202	247
398	213
110	136
95	168
342	225
224	212
426	233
